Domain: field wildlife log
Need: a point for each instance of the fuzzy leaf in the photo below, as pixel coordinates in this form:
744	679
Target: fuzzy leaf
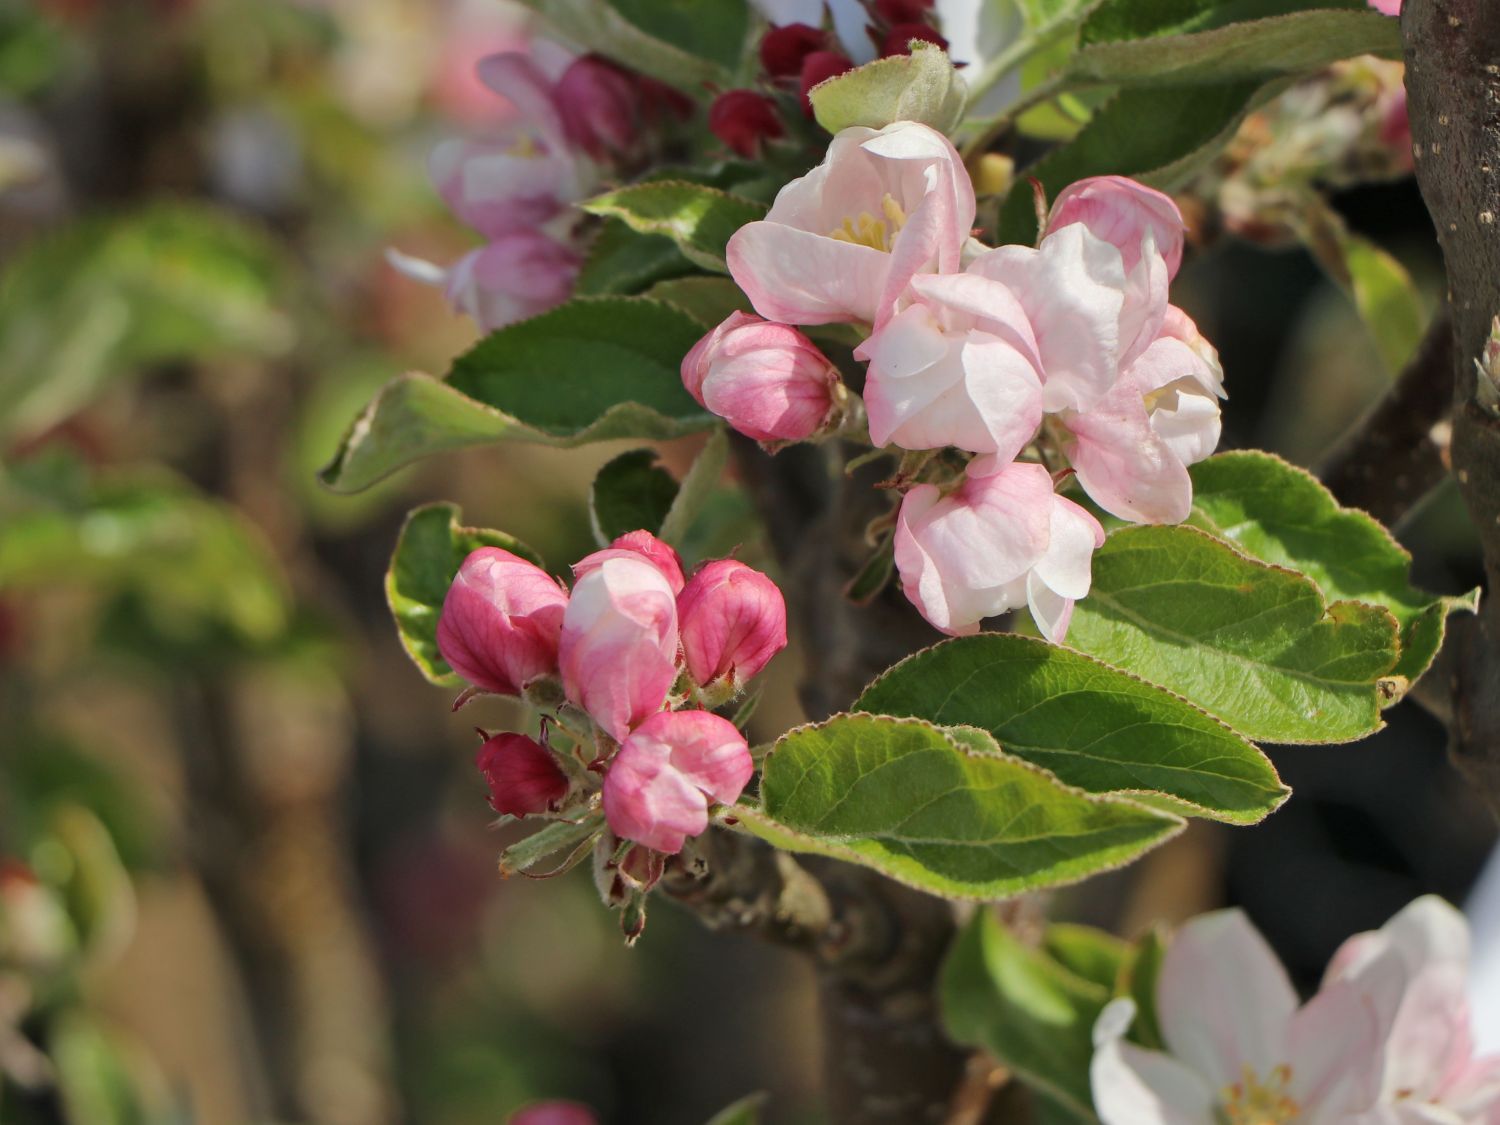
699	219
922	86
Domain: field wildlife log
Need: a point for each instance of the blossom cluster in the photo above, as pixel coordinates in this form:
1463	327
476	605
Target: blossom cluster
628	660
1044	363
1386	1040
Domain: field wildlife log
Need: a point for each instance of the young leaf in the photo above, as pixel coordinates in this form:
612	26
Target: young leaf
1093	954
1092	725
922	86
699	219
999	994
432	546
1254	645
943	811
594	369
630	493
1281	515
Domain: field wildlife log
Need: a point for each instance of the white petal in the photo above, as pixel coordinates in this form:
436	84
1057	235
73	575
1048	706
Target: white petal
418	269
1067	566
1334	1050
1133	1086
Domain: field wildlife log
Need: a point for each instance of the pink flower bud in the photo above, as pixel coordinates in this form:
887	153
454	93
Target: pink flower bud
743	120
501	621
1387	7
554	1113
598	104
903	11
659	785
820	66
619	642
522	775
1121	212
768	381
784	49
732	620
637	544
515	277
898	39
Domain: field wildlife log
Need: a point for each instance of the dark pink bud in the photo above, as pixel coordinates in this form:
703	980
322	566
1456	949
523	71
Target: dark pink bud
554	1113
522	775
637	544
598	103
501	622
784	49
732	620
819	67
903	11
744	120
899	38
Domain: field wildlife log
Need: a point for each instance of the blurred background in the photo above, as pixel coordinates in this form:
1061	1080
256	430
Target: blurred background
246	865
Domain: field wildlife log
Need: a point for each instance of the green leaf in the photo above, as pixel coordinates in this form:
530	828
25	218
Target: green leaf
630	493
1139	983
697	487
1387	300
1093	954
922	86
943	811
708	300
999	994
594	369
1116	20
1253	644
1092	725
746	1111
594	25
623	262
715	31
1280	514
699	219
431	548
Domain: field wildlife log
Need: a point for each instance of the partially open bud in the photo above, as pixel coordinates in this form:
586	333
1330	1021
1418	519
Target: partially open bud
784	49
1122	211
598	105
819	67
768	381
732	620
660	784
523	776
619	642
501	622
744	120
642	544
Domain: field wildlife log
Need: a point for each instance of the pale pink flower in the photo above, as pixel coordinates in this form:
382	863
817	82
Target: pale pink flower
957	366
732	620
523	776
659	785
1238	1046
554	1113
768	381
516	277
1387	7
618	651
1002	540
1122	212
842	242
637	544
501	622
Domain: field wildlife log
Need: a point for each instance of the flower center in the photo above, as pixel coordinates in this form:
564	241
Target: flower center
866	229
1251	1101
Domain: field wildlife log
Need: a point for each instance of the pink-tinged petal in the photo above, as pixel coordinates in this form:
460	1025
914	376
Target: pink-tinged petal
1223	999
798	277
1430	1040
1123	465
1067	566
554	1113
1387	7
705	749
637	544
619	643
517	78
648	800
502	187
1334	1049
1123	212
1474	1089
768	381
501	622
1179	326
1145	306
1051	611
732	620
992	306
1188	423
523	776
514	278
1134	1086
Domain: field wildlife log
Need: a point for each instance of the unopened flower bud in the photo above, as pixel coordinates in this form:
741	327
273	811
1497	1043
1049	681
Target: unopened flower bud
902	11
768	381
598	105
659	785
637	544
744	120
501	622
819	67
523	776
1488	363
898	39
784	49
554	1113
732	620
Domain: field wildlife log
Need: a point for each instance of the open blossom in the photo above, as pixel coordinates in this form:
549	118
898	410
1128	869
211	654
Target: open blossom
768	381
1122	212
659	785
618	651
501	622
1003	540
842	242
957	366
523	777
515	277
640	544
732	620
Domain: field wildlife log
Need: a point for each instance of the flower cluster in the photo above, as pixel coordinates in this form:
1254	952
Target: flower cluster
1385	1041
518	188
626	662
1043	363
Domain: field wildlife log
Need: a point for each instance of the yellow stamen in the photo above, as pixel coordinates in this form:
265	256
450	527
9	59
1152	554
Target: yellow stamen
865	229
1251	1101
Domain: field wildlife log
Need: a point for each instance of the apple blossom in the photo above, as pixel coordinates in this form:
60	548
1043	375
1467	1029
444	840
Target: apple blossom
768	381
501	621
515	277
1122	211
957	366
661	781
732	620
523	777
618	651
637	544
842	242
1387	7
1003	539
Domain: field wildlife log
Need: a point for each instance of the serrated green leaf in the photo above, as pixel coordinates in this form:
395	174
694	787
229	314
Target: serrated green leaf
1092	725
595	25
1117	20
700	219
708	300
630	493
697	487
714	31
1252	644
922	86
623	262
431	548
999	994
594	369
946	812
1280	514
